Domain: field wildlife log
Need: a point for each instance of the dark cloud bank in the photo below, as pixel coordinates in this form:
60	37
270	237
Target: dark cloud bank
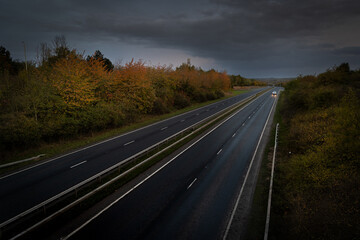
253	38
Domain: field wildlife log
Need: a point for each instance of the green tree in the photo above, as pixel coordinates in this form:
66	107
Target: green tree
344	67
60	49
99	56
5	60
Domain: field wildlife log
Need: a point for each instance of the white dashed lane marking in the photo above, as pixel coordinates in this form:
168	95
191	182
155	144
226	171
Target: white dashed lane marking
192	183
78	164
129	142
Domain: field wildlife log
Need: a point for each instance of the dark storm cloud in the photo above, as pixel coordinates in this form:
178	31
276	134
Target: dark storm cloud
252	37
352	51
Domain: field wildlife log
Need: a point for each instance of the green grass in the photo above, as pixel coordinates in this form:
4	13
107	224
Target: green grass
60	147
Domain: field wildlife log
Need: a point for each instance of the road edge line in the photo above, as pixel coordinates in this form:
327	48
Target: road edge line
152	174
247	175
111	139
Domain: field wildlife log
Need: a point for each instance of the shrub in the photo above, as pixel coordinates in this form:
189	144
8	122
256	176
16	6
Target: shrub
210	95
219	93
200	95
181	101
17	130
159	107
317	184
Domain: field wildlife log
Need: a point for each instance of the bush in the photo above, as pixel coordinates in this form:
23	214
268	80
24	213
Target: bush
66	94
101	116
159	107
181	101
219	93
323	98
200	96
317	184
17	130
210	95
70	127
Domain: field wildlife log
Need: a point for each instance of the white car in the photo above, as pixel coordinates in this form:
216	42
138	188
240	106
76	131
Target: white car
274	93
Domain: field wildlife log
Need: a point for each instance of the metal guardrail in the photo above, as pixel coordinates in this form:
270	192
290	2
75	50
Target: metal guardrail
21	161
267	223
235	208
97	177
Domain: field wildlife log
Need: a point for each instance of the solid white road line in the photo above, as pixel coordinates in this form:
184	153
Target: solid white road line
247	175
78	164
129	142
155	172
111	139
192	183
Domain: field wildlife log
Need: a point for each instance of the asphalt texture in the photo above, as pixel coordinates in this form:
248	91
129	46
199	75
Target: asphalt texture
22	190
193	195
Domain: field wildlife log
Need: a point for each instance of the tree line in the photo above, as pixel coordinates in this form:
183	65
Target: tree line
65	93
238	80
316	194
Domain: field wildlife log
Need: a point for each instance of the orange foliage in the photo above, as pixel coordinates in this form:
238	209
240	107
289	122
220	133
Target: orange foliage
131	85
75	81
67	94
134	86
101	77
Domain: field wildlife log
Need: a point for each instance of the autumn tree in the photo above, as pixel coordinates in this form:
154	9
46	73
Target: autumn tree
132	87
164	86
72	78
65	94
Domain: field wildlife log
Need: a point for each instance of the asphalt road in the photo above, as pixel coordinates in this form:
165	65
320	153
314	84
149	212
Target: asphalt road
193	195
23	190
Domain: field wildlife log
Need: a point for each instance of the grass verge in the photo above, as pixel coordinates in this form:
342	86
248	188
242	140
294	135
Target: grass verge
60	147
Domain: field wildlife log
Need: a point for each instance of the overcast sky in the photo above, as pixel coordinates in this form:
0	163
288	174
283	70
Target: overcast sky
254	38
